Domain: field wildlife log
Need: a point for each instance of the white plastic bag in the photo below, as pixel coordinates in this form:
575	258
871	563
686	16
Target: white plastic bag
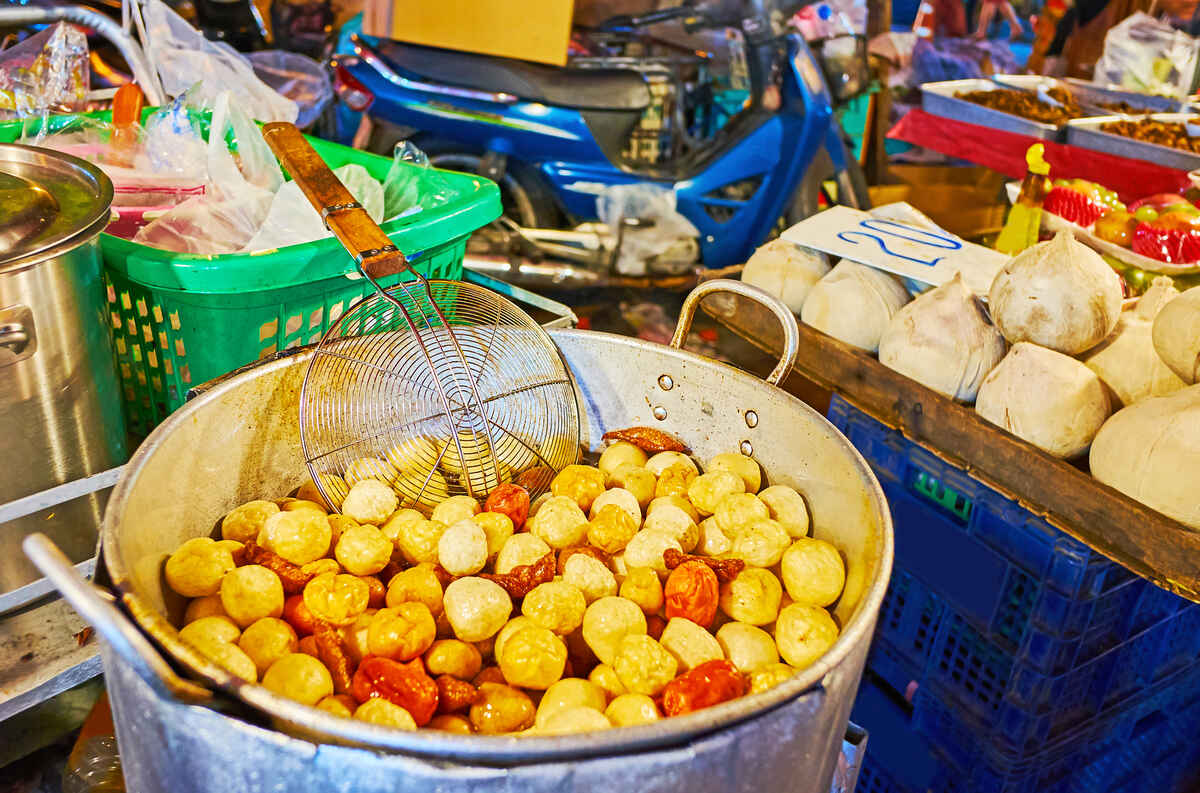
667	232
411	183
174	144
297	77
1144	54
292	219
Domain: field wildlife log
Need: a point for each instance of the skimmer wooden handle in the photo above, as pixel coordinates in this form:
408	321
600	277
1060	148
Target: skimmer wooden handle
373	252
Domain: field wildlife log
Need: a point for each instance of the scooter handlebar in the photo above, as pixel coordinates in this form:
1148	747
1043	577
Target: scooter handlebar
645	20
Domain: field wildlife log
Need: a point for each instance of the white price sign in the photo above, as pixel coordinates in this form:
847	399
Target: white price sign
930	257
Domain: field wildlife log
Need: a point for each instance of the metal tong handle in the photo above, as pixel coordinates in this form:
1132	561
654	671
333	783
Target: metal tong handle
373	252
791	331
93	604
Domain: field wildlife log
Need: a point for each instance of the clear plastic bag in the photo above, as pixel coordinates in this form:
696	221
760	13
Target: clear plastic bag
292	219
406	188
46	73
174	145
652	204
1147	55
297	77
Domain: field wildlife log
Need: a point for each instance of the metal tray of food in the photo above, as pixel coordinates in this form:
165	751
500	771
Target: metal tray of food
1093	94
938	99
1086	134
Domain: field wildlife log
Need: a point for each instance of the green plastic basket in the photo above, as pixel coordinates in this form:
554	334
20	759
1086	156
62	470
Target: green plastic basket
179	320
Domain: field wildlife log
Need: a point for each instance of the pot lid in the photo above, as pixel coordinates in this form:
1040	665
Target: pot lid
49	202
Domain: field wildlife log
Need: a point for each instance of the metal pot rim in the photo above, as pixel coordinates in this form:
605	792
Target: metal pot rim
498	750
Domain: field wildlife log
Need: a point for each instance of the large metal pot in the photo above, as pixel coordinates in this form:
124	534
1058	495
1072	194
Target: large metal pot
239	440
60	407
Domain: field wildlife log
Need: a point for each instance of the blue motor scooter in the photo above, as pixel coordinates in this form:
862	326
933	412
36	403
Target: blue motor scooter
552	136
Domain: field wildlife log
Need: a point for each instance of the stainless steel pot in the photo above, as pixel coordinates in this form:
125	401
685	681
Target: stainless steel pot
60	408
239	440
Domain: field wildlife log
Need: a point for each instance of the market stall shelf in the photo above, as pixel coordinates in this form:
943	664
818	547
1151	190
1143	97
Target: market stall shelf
941	99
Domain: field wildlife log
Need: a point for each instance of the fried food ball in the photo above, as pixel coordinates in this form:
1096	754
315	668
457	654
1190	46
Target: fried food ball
453	657
605	678
398	522
804	633
413	455
463	548
210	631
245	522
385	713
497	528
611	527
250	593
769	676
674	522
339	705
500	708
418	540
556	606
689	643
644	665
674	501
712	541
301	505
300	537
418	584
664	460
629	710
468	450
232	659
505	633
300	677
207	606
369	468
675	479
334	485
427	489
646	550
454	509
619	497
520	549
355	636
533	657
748	647
363	550
451	723
567	721
738	510
643	586
736	463
321	566
198	567
267	640
813	572
788	507
607	622
580	483
619	454
401	633
752	597
591	577
535	505
338	524
571	692
636	480
370	501
560	523
476	607
761	544
708	490
337	598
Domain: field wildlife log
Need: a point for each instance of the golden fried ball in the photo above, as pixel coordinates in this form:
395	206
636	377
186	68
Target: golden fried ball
321	566
500	708
619	454
644	665
463	548
619	497
646	550
250	593
520	549
418	541
453	657
636	480
426	489
354	636
504	634
232	659
691	644
611	528
607	622
497	528
752	597
245	522
813	572
736	463
418	584
748	647
761	544
198	567
788	507
336	598
338	524
300	677
580	483
476	607
643	586
385	713
301	505
209	631
451	723
370	501
674	522
560	523
207	606
571	692
590	576
675	479
334	485
471	446
301	536
454	509
712	540
339	705
769	676
402	632
533	657
708	490
363	550
674	501
629	710
397	523
535	505
738	510
664	460
605	678
556	606
415	454
369	468
804	633
568	721
267	640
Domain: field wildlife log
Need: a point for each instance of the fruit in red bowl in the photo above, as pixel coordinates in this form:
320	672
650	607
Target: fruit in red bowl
1160	201
1173	237
1116	226
1079	201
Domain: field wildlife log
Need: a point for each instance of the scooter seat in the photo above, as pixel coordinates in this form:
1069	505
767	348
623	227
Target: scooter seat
583	89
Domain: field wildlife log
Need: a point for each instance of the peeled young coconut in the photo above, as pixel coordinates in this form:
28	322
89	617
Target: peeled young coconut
1126	360
1151	452
1176	335
1041	396
785	270
854	303
1058	294
944	341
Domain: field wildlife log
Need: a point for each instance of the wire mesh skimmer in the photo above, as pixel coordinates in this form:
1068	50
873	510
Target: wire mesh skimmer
437	388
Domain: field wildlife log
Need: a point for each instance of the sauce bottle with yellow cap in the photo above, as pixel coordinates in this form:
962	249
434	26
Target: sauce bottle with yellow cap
1025	218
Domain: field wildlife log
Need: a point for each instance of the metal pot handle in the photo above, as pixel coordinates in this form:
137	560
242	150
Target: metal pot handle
791	331
95	606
